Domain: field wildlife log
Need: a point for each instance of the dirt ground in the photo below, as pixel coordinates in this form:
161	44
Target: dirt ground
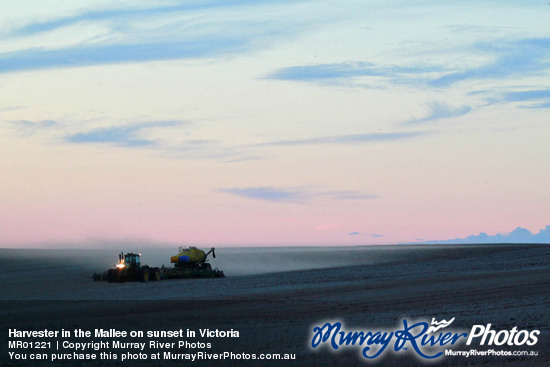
274	297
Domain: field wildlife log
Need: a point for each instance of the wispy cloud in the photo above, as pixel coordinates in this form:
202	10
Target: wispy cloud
534	98
96	15
441	110
268	193
32	59
28	128
209	149
11	108
541	96
350	139
523	57
138	135
125	136
151	34
526	95
34	124
537	105
347	70
294	195
529	56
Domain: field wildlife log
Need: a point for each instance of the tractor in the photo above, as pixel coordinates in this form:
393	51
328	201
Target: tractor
190	262
129	269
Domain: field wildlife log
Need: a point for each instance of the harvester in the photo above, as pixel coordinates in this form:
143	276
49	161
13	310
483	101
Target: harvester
129	269
191	262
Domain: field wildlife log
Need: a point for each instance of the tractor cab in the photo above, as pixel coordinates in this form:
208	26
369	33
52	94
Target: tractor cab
129	260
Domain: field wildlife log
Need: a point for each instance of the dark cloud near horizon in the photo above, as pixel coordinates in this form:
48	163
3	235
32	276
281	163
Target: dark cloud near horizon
518	235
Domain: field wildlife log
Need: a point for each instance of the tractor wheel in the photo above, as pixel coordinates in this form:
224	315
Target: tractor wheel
154	274
207	266
111	275
145	275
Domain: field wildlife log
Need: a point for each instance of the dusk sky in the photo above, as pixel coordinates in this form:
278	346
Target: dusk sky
272	122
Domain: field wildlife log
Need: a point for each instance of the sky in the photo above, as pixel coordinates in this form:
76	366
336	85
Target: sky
265	123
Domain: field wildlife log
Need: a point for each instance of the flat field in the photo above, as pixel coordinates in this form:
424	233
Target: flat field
275	296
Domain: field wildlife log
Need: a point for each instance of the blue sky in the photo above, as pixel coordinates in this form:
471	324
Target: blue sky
275	122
